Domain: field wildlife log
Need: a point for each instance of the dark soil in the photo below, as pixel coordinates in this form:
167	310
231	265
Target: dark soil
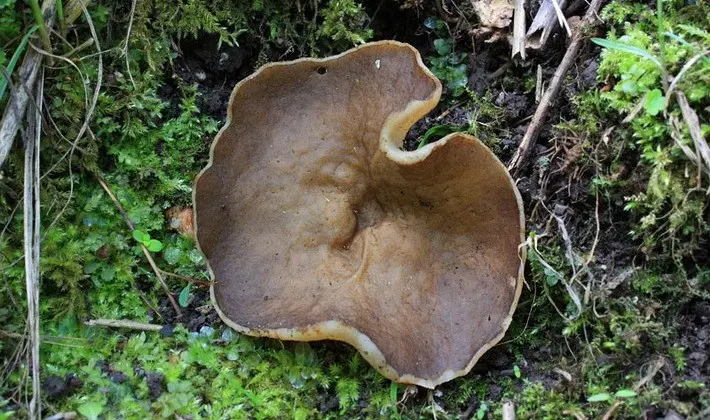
55	387
695	337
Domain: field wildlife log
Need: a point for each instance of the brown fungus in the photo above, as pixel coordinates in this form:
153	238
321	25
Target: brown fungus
317	225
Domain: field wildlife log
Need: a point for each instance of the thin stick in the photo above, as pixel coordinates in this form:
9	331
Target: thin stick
198	282
519	29
10	334
125	46
508	410
31	242
124	215
530	138
120	323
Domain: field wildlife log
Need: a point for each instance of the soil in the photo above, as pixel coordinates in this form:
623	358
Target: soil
55	387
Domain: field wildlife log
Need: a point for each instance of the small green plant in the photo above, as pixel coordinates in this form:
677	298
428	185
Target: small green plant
481	411
605	396
650	64
450	66
437	131
184	296
144	238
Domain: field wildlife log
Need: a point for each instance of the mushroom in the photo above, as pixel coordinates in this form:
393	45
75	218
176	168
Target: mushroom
317	225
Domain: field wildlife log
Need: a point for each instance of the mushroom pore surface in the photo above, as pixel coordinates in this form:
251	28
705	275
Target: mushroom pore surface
316	225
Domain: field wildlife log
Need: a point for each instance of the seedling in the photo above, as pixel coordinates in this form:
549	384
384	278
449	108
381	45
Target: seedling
144	238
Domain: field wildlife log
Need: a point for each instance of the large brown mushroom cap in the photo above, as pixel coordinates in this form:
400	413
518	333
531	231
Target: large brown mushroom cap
316	225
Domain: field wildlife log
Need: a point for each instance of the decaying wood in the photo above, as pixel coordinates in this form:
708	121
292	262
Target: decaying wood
121	323
531	134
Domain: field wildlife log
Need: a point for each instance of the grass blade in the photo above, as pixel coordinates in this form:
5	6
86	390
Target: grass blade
614	45
15	58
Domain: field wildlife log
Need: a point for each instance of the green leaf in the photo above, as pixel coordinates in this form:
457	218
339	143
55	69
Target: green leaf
184	296
655	102
442	46
141	236
91	266
108	273
393	392
625	393
437	130
516	371
172	255
614	45
15	58
154	245
91	410
603	396
481	412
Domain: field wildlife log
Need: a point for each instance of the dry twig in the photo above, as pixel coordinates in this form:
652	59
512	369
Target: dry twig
508	410
31	230
578	38
121	323
519	29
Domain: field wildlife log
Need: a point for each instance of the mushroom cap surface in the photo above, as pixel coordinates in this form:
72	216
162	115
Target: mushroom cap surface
317	225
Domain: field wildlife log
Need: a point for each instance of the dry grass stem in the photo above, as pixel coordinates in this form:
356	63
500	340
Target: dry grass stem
122	323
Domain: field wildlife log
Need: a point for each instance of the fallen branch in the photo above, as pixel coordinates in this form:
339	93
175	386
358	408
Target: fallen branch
151	261
530	138
120	323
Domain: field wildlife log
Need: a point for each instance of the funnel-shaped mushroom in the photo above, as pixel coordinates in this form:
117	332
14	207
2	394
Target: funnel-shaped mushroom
317	225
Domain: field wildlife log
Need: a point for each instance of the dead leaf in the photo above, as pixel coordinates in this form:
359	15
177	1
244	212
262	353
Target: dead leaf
494	13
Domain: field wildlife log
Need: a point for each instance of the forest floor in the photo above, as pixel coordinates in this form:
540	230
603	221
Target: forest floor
614	319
